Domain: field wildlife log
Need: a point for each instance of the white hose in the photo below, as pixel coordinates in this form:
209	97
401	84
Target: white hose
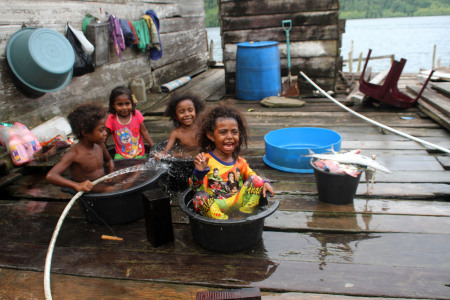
425	143
48	260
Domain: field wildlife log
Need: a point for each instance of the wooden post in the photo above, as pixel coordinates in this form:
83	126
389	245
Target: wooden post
350	59
359	62
434	57
211	51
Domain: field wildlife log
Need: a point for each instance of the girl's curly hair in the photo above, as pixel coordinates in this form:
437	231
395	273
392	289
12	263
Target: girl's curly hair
121	90
208	124
85	117
171	109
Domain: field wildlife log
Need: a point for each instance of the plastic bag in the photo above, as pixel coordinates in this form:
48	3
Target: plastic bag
83	60
85	44
20	143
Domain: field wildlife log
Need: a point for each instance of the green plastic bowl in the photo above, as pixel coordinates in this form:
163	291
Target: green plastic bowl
42	59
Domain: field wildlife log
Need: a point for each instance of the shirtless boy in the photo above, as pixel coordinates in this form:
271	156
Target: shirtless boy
85	159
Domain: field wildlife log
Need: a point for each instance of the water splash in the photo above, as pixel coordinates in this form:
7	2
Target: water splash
151	164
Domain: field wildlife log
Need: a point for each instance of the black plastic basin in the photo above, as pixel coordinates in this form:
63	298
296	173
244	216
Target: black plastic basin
226	235
124	205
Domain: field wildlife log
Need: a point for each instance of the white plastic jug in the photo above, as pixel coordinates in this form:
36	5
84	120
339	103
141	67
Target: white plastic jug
137	86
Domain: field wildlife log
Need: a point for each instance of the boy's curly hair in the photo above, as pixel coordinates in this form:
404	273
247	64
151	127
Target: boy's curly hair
208	124
171	109
117	91
85	117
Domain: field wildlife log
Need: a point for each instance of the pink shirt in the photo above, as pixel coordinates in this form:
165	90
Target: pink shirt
127	137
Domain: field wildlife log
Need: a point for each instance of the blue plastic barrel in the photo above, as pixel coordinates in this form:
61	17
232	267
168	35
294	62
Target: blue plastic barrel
257	70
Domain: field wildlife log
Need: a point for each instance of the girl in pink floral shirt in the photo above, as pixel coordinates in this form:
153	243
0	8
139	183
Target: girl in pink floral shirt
126	124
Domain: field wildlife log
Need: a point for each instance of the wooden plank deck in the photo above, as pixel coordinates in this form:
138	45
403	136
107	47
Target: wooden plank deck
391	243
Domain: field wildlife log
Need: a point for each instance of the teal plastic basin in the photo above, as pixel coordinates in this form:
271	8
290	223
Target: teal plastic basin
42	59
285	148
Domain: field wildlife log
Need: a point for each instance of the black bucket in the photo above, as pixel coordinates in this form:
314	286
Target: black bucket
122	206
225	235
335	188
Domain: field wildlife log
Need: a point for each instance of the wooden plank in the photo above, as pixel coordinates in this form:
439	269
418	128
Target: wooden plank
365	145
445	162
310	203
314	66
353	222
229	23
421	191
303	49
179	68
432	98
263	7
443	87
388	278
298	33
181	45
213	75
17	284
13	283
435	114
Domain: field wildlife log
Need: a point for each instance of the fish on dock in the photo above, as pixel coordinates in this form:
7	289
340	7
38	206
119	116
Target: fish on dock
351	157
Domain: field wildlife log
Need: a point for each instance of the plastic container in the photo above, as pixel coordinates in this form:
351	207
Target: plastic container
51	128
286	148
42	59
225	235
335	188
258	73
137	86
121	206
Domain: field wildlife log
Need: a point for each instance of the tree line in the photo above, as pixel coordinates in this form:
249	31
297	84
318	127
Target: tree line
361	9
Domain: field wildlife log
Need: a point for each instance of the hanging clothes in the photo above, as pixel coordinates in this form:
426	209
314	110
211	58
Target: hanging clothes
143	34
155	47
127	33
116	35
136	39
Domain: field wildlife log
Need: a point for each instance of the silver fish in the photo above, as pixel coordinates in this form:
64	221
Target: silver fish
351	157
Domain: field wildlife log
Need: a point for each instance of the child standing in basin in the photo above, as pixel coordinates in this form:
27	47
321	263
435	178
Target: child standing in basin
183	112
126	124
85	159
223	132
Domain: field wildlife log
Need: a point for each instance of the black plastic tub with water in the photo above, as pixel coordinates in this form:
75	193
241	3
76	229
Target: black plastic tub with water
226	235
124	205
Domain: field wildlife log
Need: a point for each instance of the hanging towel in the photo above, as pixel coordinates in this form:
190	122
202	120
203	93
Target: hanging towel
155	51
116	35
154	39
136	39
127	33
142	32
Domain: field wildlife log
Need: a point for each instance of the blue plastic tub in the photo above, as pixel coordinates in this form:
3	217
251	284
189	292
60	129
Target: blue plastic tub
285	148
258	72
42	59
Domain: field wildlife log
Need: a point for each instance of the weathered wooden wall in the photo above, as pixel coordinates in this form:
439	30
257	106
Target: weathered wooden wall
315	37
182	34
